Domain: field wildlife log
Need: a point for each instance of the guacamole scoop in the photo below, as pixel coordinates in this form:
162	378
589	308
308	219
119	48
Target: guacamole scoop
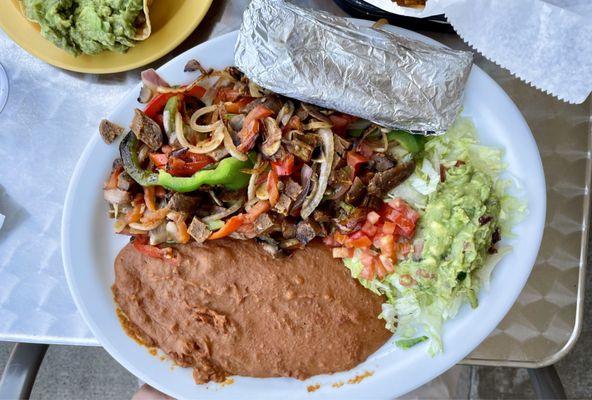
90	26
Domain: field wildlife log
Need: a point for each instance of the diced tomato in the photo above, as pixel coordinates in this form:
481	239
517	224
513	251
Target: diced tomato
159	160
387	263
354	159
340	237
405	209
188	166
368	261
404	248
360	243
156	105
285	166
388	228
356	235
343	252
369	229
272	187
196	91
380	269
330	241
403	216
387	245
373	217
341	121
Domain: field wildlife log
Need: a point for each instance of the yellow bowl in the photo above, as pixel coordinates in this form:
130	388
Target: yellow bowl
172	22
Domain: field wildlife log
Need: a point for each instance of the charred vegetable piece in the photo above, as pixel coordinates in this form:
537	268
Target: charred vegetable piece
128	149
168	115
227	173
410	142
109	131
146	130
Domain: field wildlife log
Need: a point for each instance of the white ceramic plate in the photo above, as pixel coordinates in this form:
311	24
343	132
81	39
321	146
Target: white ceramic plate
89	247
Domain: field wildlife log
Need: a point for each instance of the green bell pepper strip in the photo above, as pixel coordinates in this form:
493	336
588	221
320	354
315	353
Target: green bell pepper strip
410	142
227	173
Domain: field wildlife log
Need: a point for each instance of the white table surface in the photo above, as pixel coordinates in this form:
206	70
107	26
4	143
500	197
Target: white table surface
48	119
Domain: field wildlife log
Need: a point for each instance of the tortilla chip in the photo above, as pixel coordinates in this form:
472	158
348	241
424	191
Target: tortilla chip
143	23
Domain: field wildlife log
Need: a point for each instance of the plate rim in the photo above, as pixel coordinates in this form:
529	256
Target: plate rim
354	390
14	12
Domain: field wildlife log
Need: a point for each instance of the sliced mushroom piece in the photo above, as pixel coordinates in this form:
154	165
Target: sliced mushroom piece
272	137
198	230
194	65
183	203
356	192
291	244
235	73
116	196
109	131
124	181
283	205
236	122
383	182
307	231
264	224
300	149
146	130
341	145
145	95
314	112
270	246
292	189
285	113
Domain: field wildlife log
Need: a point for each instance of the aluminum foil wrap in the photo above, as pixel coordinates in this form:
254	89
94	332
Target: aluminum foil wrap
370	73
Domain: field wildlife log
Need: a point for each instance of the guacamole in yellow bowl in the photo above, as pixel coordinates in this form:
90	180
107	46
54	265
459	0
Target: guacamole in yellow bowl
90	26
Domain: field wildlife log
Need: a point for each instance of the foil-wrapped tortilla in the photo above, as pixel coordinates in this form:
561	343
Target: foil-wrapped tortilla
325	60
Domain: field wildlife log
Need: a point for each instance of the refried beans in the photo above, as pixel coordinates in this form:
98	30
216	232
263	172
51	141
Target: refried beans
228	308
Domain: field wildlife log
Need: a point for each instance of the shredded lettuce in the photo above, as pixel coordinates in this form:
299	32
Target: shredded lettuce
418	313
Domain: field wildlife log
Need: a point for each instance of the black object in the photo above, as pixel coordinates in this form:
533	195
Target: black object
546	383
363	10
21	370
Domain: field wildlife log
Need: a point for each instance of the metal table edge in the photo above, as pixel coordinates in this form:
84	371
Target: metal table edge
51	340
579	316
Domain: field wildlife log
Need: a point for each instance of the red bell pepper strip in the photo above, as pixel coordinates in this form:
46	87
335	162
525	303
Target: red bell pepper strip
237	221
272	187
156	105
285	166
354	160
341	121
248	134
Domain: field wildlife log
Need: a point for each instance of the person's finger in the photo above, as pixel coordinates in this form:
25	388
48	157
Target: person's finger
146	392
